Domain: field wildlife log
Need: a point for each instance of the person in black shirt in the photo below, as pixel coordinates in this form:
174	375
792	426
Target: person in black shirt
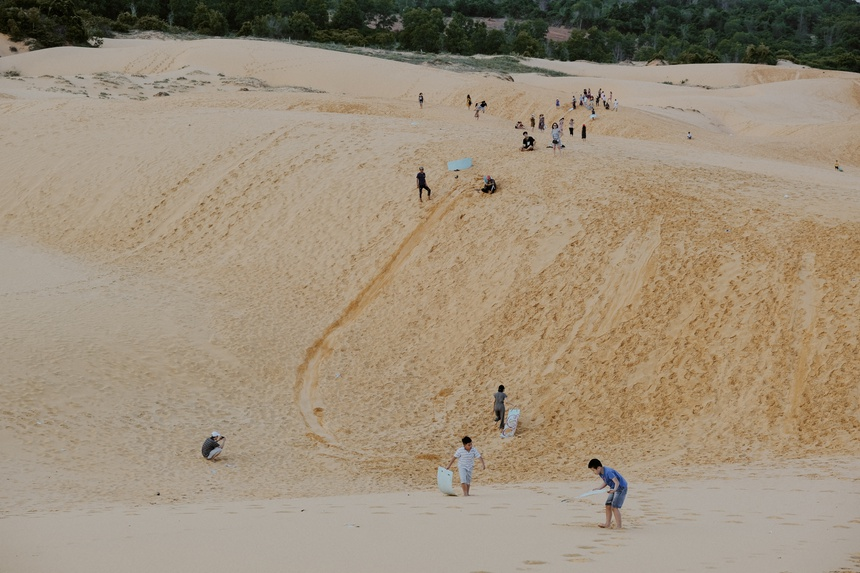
422	183
528	142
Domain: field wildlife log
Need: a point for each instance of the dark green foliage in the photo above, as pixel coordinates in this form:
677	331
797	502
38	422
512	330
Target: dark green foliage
422	30
209	22
824	33
301	27
151	23
347	16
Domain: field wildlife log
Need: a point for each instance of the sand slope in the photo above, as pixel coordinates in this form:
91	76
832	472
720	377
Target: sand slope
248	254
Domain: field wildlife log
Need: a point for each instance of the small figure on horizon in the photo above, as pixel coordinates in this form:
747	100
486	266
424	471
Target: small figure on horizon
689	135
213	446
421	100
422	184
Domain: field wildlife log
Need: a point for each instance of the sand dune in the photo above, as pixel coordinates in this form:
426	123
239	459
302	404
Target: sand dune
248	254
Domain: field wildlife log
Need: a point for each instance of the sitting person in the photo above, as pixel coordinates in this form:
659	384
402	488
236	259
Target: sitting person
213	446
519	125
528	142
489	185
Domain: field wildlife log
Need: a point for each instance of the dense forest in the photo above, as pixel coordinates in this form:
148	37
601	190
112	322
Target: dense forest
819	33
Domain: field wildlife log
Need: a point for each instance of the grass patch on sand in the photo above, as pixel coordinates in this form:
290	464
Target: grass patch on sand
496	65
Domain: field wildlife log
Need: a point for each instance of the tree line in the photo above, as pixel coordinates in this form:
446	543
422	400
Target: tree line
819	33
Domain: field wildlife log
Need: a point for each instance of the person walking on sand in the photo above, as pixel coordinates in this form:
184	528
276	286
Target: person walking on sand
421	100
466	456
583	131
213	446
421	179
837	166
571	127
532	121
468	101
617	491
499	406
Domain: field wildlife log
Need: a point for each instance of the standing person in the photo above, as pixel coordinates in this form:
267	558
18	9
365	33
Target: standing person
617	491
689	135
583	131
837	166
468	101
499	406
557	103
556	139
467	454
533	121
421	100
615	105
213	446
541	123
477	111
422	184
571	127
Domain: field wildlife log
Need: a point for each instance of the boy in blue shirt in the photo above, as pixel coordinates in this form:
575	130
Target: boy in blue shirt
617	491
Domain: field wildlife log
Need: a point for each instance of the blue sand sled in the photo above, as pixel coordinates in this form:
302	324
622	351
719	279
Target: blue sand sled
460	164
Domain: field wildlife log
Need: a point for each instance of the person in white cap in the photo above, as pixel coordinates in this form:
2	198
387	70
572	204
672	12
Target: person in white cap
213	446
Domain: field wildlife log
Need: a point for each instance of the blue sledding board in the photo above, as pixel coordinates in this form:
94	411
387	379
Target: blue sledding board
460	164
444	479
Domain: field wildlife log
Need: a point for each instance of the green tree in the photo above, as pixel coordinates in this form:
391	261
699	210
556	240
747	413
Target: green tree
209	22
422	30
182	13
347	16
525	45
457	35
758	55
301	27
317	11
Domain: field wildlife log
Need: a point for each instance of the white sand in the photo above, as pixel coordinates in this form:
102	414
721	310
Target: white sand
248	254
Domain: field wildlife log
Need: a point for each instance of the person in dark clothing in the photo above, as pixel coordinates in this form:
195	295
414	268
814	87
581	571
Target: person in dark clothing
528	142
422	183
499	406
489	185
583	131
213	446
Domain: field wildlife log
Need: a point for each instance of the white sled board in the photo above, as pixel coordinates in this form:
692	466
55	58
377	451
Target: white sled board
445	481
